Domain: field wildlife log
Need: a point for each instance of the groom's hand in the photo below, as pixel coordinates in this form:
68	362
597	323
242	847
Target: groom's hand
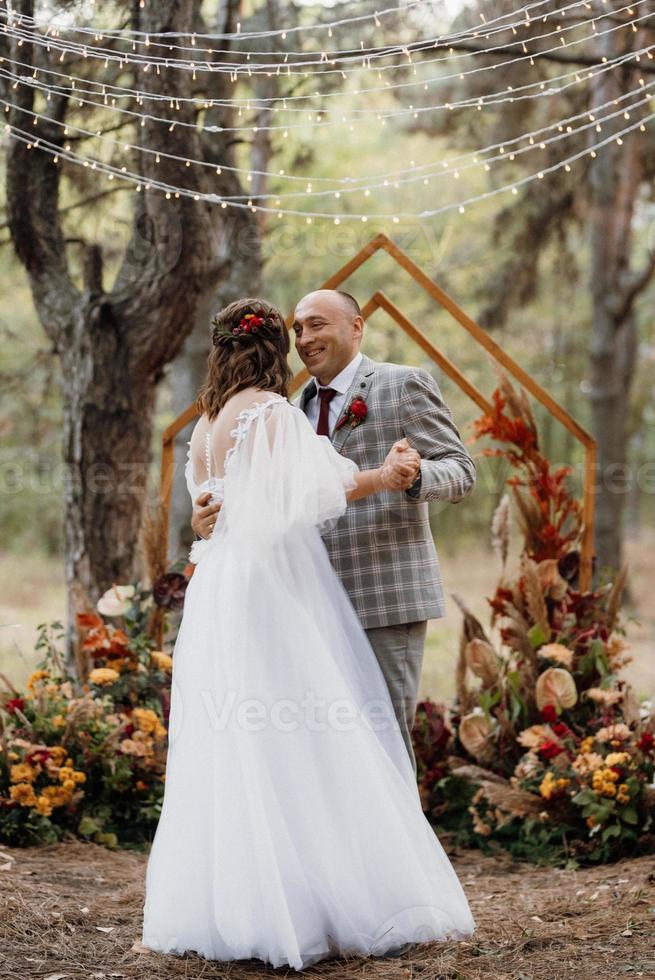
401	466
204	515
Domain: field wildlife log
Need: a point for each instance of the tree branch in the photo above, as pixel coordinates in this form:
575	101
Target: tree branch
636	286
32	183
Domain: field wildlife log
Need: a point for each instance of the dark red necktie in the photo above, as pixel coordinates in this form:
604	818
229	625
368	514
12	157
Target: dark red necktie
325	395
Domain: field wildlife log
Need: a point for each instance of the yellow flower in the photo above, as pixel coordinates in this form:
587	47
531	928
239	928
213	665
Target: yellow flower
58	721
57	795
79	777
161	660
65	772
617	758
35	677
146	719
587	744
103	675
23	773
547	786
550	785
43	806
23	793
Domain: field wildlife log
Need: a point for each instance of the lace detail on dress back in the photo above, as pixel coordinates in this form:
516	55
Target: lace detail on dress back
243	421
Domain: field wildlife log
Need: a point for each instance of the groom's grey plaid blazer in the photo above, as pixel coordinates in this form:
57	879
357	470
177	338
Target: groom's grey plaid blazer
382	547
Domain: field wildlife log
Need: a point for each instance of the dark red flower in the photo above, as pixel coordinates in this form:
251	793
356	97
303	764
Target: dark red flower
560	728
354	414
359	409
14	703
168	591
549	713
646	742
549	749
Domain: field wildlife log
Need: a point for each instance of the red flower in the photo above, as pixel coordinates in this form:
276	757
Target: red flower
560	728
549	713
646	742
355	414
549	749
359	409
14	703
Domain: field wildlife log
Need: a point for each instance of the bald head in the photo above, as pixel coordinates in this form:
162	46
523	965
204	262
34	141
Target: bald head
328	326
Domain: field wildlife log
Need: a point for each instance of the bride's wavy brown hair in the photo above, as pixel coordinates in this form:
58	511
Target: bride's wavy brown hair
245	360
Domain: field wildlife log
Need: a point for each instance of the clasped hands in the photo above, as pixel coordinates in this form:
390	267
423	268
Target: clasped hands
399	470
401	467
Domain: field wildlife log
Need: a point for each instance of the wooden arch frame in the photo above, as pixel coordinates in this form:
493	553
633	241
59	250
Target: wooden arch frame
380	301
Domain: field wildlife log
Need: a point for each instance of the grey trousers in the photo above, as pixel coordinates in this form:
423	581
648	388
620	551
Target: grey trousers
399	651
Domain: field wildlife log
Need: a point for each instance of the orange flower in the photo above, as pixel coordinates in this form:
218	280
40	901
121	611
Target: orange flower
89	621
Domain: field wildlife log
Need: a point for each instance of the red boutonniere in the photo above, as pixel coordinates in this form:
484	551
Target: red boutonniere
355	414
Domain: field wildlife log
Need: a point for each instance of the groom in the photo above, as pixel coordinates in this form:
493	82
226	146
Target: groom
382	547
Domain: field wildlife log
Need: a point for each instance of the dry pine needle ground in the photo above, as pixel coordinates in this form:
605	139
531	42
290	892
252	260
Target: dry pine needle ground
73	910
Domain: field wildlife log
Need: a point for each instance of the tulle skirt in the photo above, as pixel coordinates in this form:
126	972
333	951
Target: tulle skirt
291	827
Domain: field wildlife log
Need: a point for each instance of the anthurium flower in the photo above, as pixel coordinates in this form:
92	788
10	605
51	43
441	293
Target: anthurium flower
482	659
115	601
474	733
555	686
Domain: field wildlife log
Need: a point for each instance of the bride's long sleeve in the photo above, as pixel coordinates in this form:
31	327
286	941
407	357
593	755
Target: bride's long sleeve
280	475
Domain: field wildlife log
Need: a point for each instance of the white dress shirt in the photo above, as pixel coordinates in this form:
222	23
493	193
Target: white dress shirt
341	384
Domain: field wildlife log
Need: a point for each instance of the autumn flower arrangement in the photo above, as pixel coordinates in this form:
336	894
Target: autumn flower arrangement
86	754
546	732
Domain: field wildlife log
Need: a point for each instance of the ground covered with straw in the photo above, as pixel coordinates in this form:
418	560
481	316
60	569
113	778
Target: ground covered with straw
73	910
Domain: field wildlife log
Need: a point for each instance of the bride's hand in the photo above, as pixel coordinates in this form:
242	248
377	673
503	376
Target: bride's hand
401	466
204	515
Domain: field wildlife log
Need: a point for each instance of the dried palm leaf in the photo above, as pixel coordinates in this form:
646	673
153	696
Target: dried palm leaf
614	600
534	596
530	518
513	801
471	629
511	396
500	529
527	414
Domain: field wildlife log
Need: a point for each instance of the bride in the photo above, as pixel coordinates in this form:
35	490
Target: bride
291	827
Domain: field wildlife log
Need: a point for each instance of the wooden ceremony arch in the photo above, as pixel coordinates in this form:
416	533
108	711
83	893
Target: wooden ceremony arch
380	301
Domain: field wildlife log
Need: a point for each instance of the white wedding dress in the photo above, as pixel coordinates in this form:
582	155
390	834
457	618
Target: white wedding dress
291	826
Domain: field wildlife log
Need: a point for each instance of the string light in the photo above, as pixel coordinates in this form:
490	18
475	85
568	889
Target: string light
66	153
237	70
110	90
508	149
482	101
146	38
